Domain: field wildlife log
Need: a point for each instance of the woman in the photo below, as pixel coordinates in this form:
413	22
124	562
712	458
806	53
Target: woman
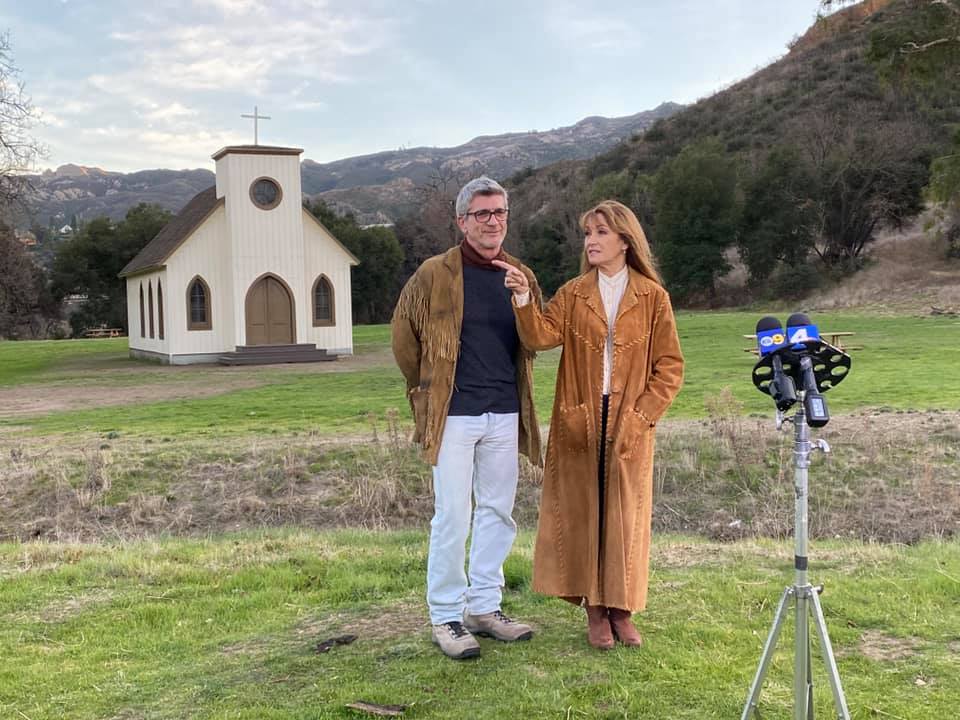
620	369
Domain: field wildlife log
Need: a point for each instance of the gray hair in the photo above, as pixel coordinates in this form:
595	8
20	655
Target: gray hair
478	186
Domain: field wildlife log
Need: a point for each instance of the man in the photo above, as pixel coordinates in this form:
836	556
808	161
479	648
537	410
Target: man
470	386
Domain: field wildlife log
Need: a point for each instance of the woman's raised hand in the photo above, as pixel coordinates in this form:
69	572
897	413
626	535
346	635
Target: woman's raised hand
514	279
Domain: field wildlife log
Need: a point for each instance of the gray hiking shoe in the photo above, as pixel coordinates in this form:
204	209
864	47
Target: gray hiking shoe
498	626
455	641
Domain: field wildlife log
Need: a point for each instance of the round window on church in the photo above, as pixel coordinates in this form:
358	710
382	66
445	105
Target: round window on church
265	193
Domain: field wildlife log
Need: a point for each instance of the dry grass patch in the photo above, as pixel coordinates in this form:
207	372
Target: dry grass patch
879	647
892	476
909	272
386	623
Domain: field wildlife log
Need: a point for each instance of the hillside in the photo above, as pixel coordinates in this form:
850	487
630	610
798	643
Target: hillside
842	97
377	187
85	192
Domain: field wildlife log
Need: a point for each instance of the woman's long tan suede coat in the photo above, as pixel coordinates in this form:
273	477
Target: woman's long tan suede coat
647	370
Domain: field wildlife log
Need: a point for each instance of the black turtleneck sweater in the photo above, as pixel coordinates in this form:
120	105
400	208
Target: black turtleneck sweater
486	377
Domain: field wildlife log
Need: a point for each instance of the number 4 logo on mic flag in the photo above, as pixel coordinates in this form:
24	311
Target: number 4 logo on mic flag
801	335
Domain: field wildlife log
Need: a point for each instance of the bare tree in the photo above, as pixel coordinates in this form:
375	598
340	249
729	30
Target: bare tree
866	174
18	149
432	227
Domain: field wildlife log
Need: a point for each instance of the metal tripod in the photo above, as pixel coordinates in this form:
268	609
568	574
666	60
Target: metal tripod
806	599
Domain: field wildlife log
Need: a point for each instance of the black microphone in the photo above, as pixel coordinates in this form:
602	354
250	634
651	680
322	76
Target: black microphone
804	338
801	330
770	338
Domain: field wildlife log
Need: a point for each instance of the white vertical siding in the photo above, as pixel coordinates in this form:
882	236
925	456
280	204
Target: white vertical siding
264	241
205	253
324	256
135	341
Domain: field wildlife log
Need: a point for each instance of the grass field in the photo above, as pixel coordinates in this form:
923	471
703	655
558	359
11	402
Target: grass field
228	627
905	364
211	575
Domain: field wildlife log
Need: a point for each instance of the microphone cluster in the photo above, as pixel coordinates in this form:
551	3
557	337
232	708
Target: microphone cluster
798	358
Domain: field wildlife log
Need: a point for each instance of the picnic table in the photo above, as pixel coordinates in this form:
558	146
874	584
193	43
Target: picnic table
835	338
102	332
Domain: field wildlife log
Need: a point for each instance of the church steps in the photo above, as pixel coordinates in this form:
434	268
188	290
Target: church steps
269	354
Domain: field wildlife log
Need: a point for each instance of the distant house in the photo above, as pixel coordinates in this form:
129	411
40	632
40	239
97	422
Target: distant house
26	237
244	273
66	230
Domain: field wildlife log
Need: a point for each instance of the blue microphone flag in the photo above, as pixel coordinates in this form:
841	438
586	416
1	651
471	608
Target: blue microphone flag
801	330
770	336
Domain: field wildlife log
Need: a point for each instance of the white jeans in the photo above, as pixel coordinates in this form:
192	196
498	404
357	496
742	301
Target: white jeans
478	456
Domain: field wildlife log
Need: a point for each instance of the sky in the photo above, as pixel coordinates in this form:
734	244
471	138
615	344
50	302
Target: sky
162	84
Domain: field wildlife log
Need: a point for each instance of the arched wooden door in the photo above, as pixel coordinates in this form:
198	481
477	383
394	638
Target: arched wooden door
269	310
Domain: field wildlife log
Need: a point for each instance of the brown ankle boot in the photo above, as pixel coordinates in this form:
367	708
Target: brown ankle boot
599	634
623	627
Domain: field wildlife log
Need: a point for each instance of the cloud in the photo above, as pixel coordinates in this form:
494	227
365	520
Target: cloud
49	119
584	29
174	75
243	46
172	111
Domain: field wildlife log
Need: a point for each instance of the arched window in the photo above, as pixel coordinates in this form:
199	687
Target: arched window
198	305
159	310
143	322
323	302
150	306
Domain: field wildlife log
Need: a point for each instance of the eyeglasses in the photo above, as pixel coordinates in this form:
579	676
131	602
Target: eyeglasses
483	216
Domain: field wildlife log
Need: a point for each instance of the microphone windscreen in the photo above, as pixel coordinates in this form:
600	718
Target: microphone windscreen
801	330
770	336
768	322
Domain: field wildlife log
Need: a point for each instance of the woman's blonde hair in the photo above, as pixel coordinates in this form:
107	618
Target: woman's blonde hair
619	218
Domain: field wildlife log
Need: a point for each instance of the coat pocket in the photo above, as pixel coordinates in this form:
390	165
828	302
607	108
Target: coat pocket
635	435
576	428
420	405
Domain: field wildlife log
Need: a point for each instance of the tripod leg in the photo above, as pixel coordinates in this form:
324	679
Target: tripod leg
802	685
765	658
839	701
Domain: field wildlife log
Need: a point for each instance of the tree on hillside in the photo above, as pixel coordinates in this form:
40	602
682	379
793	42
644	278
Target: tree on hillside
697	214
375	281
867	172
27	309
87	264
549	254
944	189
432	227
18	149
778	223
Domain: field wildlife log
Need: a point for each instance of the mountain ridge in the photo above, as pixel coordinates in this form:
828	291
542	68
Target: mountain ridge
376	187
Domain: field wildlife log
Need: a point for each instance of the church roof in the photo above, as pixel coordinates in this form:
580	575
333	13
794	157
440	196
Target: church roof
175	232
255	150
155	253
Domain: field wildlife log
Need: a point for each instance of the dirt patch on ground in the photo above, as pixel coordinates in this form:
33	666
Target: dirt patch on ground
884	648
100	381
40	399
379	624
907	272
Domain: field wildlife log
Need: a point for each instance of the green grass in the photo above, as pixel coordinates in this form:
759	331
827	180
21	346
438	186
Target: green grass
29	361
226	628
329	403
905	364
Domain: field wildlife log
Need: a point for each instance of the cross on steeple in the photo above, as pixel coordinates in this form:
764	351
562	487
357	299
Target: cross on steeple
255	117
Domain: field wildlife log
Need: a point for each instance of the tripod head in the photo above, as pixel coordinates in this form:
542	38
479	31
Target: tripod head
798	358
